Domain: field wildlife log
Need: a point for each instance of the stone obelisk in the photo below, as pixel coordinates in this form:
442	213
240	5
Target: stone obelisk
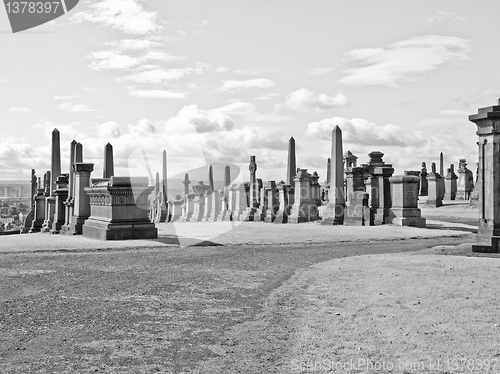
109	169
291	169
55	172
164	196
334	212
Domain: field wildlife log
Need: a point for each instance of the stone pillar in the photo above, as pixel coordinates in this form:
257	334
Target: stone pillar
283	194
304	208
263	206
109	168
217	198
291	168
415	173
28	220
76	155
315	190
175	208
334	211
273	201
434	196
39	213
240	212
442	184
488	131
199	202
476	192
451	184
164	191
208	195
465	183
371	188
253	198
227	209
423	181
404	193
357	212
380	186
81	210
354	180
61	195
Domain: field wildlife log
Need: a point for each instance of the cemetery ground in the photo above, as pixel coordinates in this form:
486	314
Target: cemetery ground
261	298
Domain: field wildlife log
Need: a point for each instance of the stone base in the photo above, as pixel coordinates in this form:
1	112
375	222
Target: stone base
448	196
436	203
462	195
280	217
239	215
36	226
102	230
406	217
409	221
332	221
251	214
270	216
27	222
487	239
66	230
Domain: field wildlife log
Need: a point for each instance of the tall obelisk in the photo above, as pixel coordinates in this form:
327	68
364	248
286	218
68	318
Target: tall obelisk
164	196
334	212
291	169
109	169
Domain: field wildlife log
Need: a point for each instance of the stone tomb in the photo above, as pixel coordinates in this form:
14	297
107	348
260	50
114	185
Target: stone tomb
404	194
119	210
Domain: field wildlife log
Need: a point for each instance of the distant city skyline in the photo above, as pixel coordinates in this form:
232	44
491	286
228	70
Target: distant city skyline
217	82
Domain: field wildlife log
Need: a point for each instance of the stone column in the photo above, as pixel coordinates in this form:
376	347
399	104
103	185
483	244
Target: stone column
282	213
476	192
273	201
415	173
423	181
176	208
253	198
164	192
451	184
404	193
199	202
81	210
61	195
77	156
39	215
109	168
354	180
263	206
240	212
464	184
380	186
291	168
488	131
304	208
226	213
334	211
442	184
208	195
434	196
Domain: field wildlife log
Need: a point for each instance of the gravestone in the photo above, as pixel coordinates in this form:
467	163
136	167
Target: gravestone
28	220
241	201
109	168
61	195
434	196
357	212
253	202
119	210
39	214
81	209
423	180
465	183
55	171
334	210
164	190
199	202
76	156
405	211
304	208
380	188
451	184
175	208
273	201
488	131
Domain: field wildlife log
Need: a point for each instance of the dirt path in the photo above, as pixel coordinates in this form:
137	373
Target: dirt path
199	309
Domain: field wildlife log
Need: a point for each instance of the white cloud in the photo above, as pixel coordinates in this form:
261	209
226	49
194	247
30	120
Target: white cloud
405	61
20	110
238	108
111	60
143	128
73	108
156	94
66	97
304	99
320	71
128	16
89	89
255	71
109	129
442	16
3	80
221	69
362	132
133	44
161	75
202	120
233	85
455	112
268	96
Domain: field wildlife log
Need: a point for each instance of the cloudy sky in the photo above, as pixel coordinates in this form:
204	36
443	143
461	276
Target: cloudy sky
219	81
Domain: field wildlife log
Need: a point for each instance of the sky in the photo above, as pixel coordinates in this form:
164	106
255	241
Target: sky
220	81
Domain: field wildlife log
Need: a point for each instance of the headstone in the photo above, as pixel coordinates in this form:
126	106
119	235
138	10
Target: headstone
423	180
61	195
76	155
476	192
465	183
451	184
357	210
119	210
404	193
284	204
434	196
217	198
241	202
304	208
164	191
55	171
28	220
227	215
292	163
263	205
415	173
208	196
334	211
39	213
109	168
175	207
199	202
254	190
488	131
273	201
380	188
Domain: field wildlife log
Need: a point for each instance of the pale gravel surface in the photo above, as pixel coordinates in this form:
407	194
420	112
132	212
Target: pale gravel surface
228	233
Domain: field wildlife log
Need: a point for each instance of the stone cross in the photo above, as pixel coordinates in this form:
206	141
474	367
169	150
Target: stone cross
186	184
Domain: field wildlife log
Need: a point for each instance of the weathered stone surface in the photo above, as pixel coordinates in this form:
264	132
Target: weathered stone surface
465	183
450	184
241	201
488	130
61	195
119	211
81	209
284	203
334	211
405	211
304	208
273	201
434	196
423	181
357	210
